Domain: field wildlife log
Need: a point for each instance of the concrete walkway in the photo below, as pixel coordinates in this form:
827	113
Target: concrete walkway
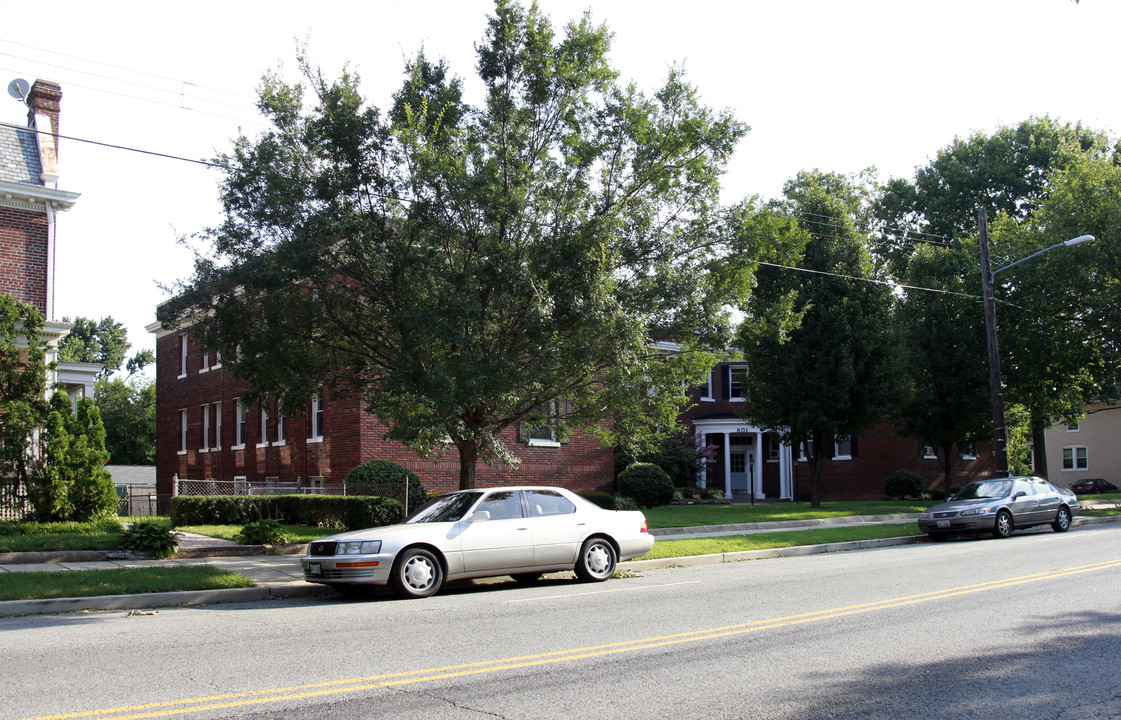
276	572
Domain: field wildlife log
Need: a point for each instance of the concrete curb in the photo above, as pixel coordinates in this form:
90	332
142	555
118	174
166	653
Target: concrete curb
778	525
13	608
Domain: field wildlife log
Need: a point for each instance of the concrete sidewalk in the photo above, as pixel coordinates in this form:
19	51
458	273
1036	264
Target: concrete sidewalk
278	574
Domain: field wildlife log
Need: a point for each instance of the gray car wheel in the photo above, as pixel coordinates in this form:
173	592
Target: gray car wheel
1003	526
1062	520
417	574
597	560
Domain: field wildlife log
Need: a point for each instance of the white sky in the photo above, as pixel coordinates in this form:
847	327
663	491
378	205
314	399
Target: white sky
835	85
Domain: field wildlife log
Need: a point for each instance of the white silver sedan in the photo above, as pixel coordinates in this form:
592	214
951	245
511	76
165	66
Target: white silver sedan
523	532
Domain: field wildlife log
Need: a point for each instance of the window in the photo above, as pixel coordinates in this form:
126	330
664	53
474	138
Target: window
263	438
183	355
205	444
736	377
281	436
547	502
317	418
239	426
543	433
927	449
217	426
802	447
1075	458
706	394
968	449
503	505
842	448
205	363
1072	427
183	431
773	446
217	359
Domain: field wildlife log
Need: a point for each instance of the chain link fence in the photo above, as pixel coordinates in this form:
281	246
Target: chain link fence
186	486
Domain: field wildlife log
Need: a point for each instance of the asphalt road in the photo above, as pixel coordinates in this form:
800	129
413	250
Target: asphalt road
1028	627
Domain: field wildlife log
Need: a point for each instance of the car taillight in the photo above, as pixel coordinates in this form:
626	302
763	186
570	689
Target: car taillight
644	528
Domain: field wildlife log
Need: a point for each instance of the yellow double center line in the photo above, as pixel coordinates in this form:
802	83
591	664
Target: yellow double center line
336	687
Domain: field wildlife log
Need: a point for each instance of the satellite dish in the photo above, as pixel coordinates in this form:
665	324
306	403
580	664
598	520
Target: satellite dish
18	89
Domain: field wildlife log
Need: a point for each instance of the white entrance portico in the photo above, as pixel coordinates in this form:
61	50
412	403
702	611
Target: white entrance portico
743	457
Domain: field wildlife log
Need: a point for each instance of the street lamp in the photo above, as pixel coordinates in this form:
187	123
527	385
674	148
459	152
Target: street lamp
1000	434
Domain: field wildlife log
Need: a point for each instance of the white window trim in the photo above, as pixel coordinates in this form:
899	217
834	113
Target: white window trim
1076	427
837	451
183	355
264	437
182	431
239	423
205	428
731	371
708	396
217	360
316	432
217	426
1074	458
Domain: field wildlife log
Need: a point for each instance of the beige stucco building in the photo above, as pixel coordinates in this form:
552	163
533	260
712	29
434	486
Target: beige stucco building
1089	449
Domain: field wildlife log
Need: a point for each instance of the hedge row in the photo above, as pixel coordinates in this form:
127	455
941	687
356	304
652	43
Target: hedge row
350	512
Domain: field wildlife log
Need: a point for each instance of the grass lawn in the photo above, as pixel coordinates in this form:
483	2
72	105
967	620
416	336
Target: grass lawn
33	537
695	515
121	581
669	548
297	533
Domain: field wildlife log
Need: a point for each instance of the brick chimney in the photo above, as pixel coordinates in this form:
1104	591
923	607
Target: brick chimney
43	102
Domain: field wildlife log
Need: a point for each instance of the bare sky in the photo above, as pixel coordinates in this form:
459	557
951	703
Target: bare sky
839	86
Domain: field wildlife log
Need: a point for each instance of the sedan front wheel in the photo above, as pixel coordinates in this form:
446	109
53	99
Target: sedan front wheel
597	560
1003	526
417	574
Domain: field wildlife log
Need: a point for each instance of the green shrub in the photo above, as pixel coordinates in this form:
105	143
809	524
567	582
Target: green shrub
902	484
714	493
387	479
154	539
263	532
604	500
625	503
335	512
647	483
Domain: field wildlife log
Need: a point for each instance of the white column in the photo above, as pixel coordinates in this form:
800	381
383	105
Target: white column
702	476
727	466
786	490
757	467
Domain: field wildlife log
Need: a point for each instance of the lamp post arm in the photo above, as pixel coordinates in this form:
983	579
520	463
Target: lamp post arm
1073	241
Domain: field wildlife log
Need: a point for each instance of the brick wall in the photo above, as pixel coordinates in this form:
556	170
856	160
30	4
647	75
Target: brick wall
351	437
23	256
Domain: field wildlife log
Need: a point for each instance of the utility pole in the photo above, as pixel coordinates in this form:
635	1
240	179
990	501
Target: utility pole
1000	433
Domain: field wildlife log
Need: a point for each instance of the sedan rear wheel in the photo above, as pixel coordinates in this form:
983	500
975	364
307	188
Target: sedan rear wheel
1062	520
1003	526
417	574
597	560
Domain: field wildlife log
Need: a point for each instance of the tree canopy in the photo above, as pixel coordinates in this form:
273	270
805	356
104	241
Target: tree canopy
103	341
466	269
818	342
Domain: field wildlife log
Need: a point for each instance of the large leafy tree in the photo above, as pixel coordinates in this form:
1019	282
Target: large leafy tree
941	325
818	343
103	341
466	269
23	384
1007	172
128	411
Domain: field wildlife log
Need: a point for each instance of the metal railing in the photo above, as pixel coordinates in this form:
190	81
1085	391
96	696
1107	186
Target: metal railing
14	503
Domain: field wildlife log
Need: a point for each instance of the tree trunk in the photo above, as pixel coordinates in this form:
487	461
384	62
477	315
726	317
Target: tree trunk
1038	444
815	467
468	460
947	461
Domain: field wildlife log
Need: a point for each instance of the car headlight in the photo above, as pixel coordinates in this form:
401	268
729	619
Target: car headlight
924	516
977	511
358	547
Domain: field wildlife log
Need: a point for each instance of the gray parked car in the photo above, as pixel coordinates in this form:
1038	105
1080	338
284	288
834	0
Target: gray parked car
999	506
518	531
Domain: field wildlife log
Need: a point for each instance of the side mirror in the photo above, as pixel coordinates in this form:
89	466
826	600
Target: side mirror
480	516
1018	495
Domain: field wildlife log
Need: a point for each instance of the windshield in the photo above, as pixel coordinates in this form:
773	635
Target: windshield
984	489
445	508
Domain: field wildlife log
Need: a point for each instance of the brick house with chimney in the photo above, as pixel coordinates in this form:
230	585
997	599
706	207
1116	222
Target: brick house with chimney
30	201
205	432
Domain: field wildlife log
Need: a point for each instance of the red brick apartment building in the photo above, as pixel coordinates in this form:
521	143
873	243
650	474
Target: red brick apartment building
749	460
204	431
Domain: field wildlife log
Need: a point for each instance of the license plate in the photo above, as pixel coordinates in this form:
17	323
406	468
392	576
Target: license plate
315	569
943	523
